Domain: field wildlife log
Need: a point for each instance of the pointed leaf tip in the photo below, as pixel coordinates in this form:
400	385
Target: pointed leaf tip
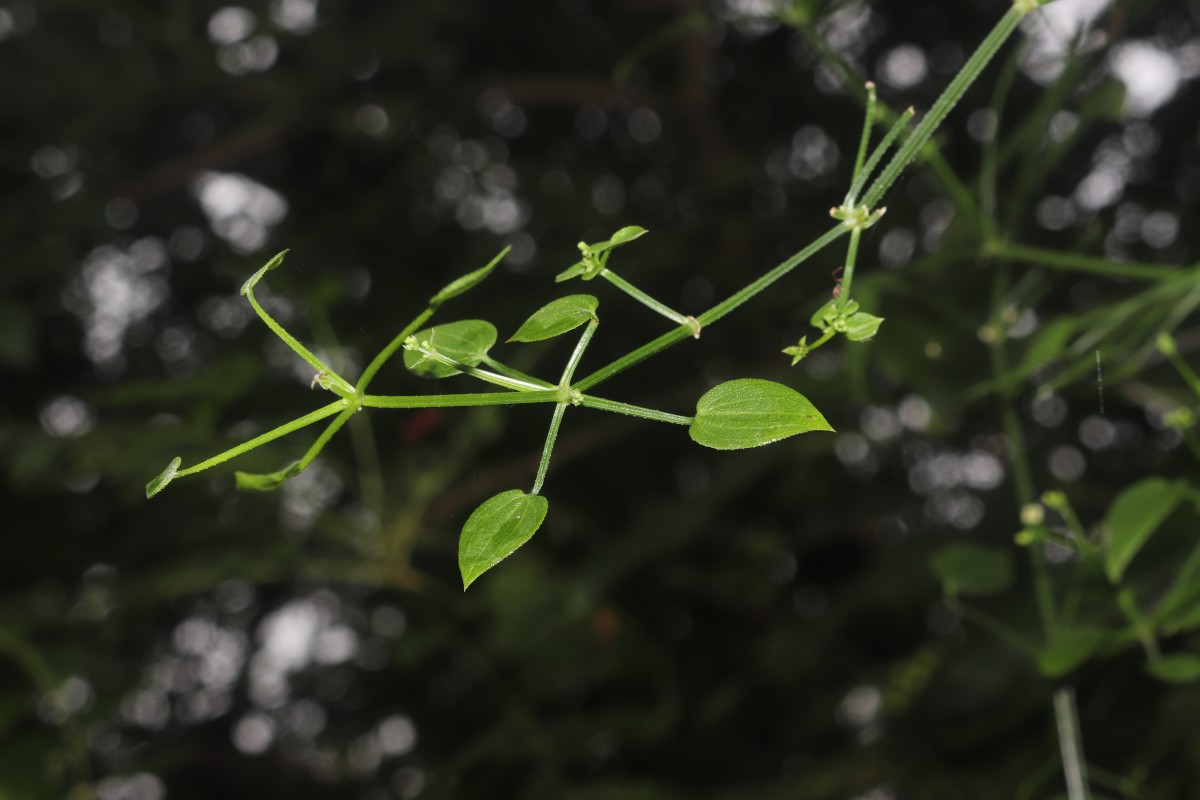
166	476
627	234
556	318
467	282
265	482
752	412
496	529
275	261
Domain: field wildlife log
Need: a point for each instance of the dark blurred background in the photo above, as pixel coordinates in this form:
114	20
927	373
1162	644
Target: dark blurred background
688	623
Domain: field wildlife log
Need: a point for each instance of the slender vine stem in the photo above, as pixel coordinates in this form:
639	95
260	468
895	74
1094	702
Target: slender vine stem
387	352
848	268
1070	743
461	400
269	436
1077	262
643	298
949	98
633	411
548	447
713	314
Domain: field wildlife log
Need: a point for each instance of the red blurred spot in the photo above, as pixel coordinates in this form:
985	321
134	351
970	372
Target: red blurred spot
419	424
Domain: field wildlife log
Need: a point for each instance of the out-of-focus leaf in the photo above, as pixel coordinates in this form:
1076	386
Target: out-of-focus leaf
1133	517
972	569
268	481
1179	668
1069	649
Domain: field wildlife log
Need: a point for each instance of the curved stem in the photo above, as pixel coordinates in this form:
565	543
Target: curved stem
633	411
387	352
461	400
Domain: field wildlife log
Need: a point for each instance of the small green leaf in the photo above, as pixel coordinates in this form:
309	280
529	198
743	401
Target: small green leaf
554	319
1069	649
573	271
268	481
467	341
1133	517
862	326
1181	668
256	277
467	282
623	236
752	412
497	528
823	315
972	569
798	351
166	476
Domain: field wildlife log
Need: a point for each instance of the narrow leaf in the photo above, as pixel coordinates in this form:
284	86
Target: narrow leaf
861	327
497	528
467	341
256	277
166	476
573	271
971	569
624	236
467	282
554	319
1181	668
268	481
1133	517
1069	649
752	412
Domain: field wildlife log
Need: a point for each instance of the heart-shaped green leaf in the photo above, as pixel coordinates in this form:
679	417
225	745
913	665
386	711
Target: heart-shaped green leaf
1181	668
1133	517
467	341
971	569
496	529
467	282
752	412
554	319
268	481
862	326
166	476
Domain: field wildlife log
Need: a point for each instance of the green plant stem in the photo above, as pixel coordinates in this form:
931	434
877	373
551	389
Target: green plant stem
1070	744
989	166
495	378
387	352
1184	369
548	447
633	411
868	124
880	151
564	384
326	435
339	384
1076	262
853	83
504	369
715	313
569	370
848	268
953	93
643	298
270	436
461	400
